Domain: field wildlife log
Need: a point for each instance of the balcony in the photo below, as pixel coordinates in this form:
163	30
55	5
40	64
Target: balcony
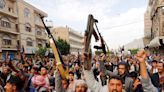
11	30
76	46
39	24
43	37
9	47
11	14
75	39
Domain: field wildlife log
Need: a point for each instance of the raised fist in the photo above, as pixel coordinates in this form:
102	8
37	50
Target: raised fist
141	55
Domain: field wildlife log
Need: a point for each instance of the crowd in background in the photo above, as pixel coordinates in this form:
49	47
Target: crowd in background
143	72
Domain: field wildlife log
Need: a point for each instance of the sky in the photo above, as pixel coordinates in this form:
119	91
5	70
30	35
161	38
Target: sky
119	21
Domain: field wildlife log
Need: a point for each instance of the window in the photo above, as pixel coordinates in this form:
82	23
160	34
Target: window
39	32
29	42
2	4
5	22
6	40
28	27
39	43
37	19
17	28
26	12
10	9
45	32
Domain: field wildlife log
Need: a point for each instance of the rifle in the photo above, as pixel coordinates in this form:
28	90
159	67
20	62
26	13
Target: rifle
88	33
63	69
103	43
87	40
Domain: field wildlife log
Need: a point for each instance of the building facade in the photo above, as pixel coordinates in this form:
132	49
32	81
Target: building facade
20	26
155	17
32	34
147	27
9	33
74	38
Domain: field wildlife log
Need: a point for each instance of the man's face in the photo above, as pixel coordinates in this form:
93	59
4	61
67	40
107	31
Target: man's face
115	85
160	67
64	84
71	77
65	60
121	69
102	74
154	64
32	71
5	70
97	65
43	71
80	88
9	87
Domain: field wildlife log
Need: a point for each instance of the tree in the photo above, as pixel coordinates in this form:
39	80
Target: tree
63	46
98	52
41	51
133	51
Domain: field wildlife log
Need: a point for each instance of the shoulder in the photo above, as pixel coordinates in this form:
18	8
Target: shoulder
128	79
105	88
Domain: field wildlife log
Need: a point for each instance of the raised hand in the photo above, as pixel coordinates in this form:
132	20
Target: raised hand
86	59
141	56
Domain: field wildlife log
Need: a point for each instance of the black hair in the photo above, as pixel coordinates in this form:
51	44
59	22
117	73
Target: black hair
123	63
43	67
133	74
161	62
71	73
126	67
116	77
66	80
15	80
154	61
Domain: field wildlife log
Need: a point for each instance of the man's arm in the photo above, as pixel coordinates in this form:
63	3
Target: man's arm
89	77
145	80
103	68
58	83
91	82
107	72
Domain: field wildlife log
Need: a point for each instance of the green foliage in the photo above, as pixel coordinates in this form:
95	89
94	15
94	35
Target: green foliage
99	52
133	51
63	46
41	51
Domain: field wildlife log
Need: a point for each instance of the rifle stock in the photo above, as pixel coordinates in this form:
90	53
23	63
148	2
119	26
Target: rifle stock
87	48
63	71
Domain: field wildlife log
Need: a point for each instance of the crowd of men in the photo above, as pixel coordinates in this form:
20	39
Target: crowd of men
143	72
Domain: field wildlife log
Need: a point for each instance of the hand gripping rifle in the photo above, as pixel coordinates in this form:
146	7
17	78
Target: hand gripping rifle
63	69
87	40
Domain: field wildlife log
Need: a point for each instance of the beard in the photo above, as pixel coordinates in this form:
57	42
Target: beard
114	90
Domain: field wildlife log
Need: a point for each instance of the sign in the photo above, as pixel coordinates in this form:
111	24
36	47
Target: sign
30	50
